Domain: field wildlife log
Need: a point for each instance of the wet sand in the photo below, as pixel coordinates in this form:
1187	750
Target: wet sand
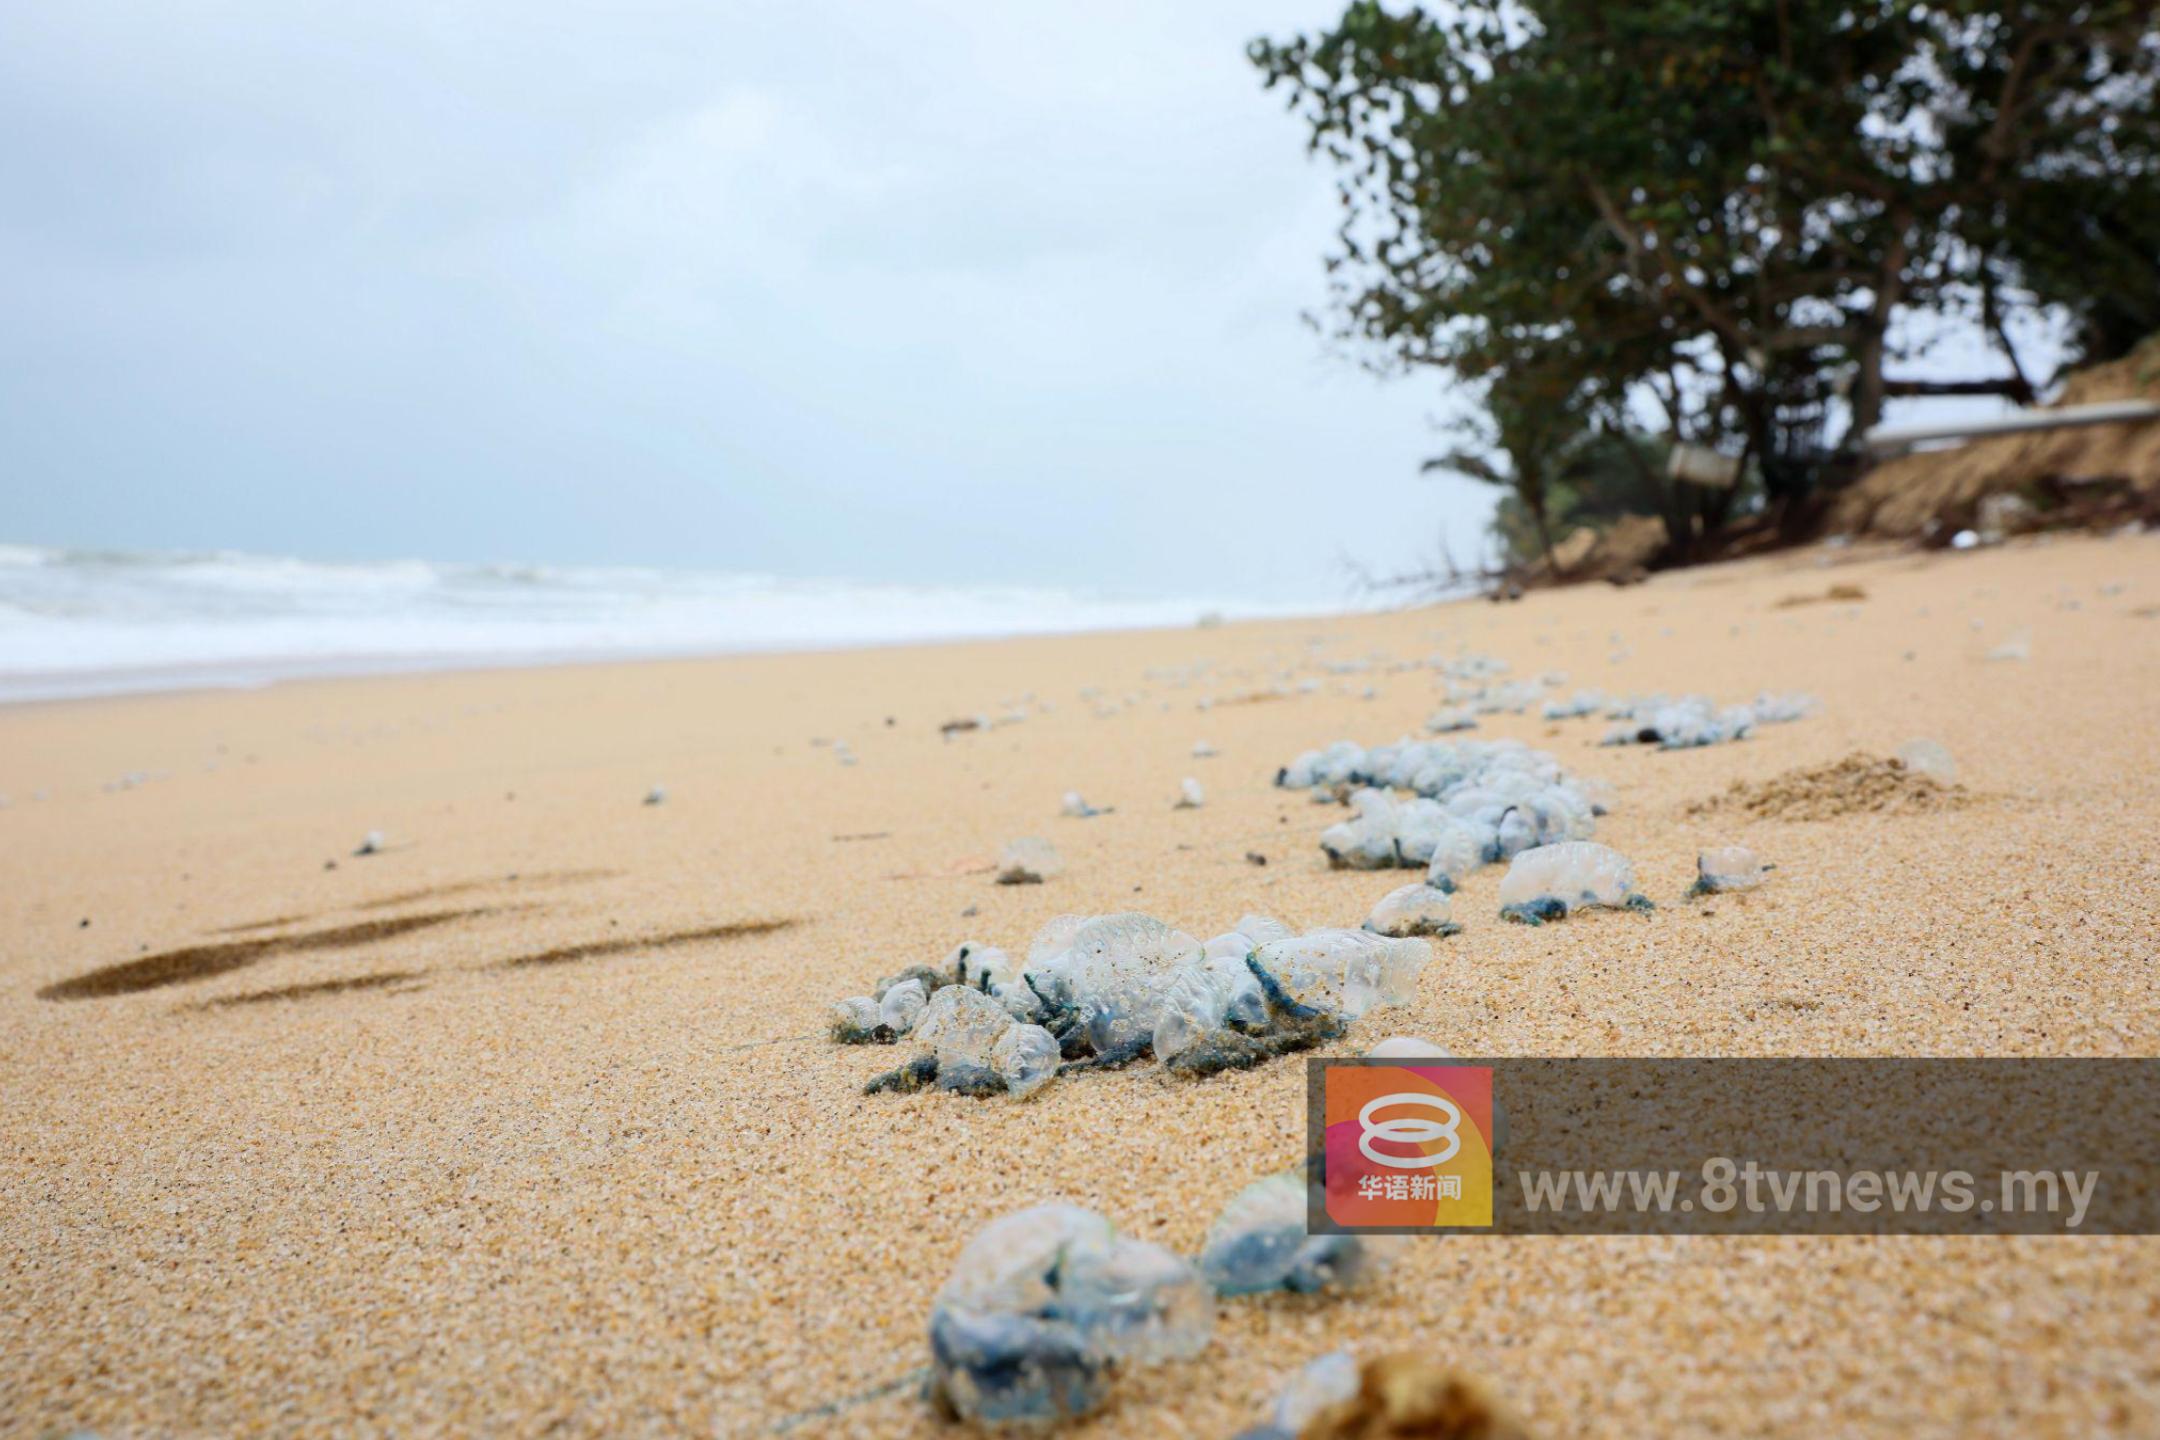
528	1123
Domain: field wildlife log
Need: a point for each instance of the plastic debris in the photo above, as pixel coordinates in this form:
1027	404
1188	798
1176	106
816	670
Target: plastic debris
1044	1304
1028	861
1075	806
1203	751
1190	795
1418	909
656	796
370	843
1727	868
1552	881
2017	647
1260	1243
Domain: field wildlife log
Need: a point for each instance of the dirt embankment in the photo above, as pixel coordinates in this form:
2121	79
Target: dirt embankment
2099	474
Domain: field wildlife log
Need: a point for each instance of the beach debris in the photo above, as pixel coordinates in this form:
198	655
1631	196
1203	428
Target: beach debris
1110	990
1727	868
370	843
1259	1243
1028	861
1391	1397
1045	1304
656	796
1857	784
1190	795
1075	806
1201	750
842	752
1254	857
963	725
1415	909
1930	758
1553	881
2017	647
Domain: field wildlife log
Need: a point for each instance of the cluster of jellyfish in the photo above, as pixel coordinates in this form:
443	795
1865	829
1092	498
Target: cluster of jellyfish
1045	1304
1096	992
1475	803
1679	722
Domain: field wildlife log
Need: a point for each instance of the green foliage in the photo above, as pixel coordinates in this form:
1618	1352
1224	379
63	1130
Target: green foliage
1714	208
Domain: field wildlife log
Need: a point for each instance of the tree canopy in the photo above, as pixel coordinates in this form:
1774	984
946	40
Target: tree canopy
1715	210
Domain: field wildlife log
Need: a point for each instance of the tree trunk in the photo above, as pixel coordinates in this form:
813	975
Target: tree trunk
1534	497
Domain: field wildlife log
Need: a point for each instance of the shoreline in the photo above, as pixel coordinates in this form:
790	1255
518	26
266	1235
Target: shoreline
220	676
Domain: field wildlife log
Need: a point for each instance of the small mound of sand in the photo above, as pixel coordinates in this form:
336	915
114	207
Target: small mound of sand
1855	785
1410	1397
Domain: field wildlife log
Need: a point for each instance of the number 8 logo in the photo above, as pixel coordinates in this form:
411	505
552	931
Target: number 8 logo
1409	1131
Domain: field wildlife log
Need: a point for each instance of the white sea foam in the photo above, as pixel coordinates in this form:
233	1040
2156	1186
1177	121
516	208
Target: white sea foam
78	622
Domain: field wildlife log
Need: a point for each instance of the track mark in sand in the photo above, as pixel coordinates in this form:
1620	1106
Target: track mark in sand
467	887
831	1408
599	949
201	962
310	991
273	923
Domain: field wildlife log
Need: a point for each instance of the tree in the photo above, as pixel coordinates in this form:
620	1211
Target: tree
1715	210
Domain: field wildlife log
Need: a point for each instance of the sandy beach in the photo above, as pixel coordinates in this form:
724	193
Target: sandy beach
528	1123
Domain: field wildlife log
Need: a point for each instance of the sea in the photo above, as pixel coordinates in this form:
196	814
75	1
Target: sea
78	622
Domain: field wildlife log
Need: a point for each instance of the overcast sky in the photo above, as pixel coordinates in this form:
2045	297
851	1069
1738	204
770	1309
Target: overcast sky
906	291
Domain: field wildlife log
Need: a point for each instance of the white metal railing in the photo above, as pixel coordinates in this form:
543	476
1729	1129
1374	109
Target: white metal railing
1896	439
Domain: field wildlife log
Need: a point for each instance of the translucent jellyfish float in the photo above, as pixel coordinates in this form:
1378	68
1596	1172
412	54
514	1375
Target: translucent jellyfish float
1028	861
1553	881
1930	758
1321	1385
1727	868
1260	1243
1046	1304
1412	910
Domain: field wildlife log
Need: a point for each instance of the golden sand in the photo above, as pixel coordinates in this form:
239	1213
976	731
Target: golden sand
527	1123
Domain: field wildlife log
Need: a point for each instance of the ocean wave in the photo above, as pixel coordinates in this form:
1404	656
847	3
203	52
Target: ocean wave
84	621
